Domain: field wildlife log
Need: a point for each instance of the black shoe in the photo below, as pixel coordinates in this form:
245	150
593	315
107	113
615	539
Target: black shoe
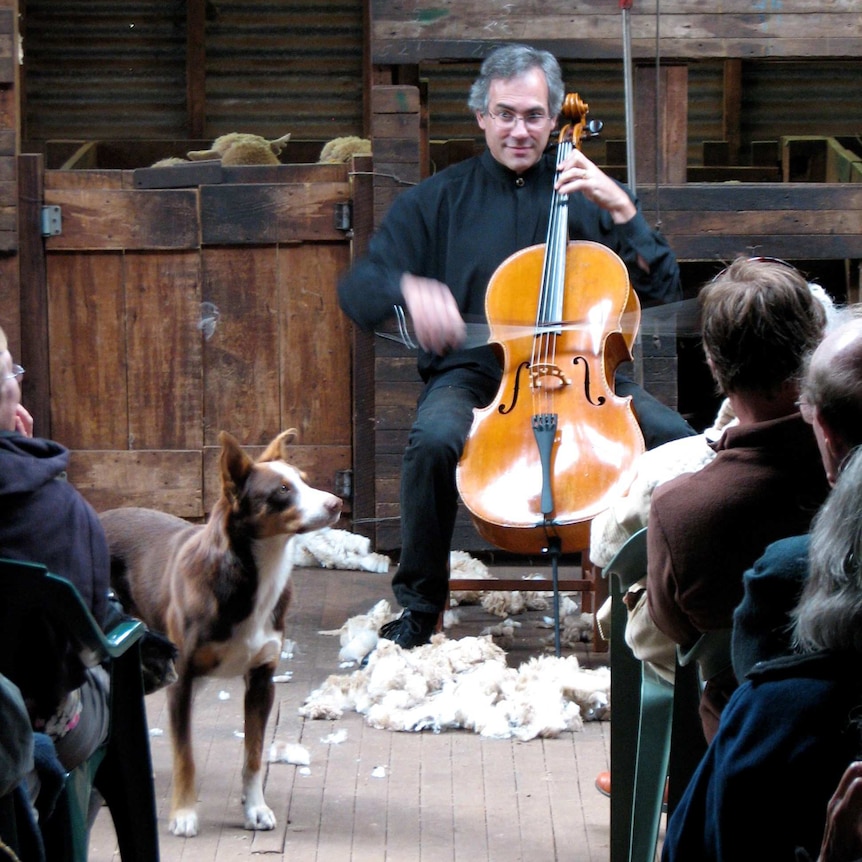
411	629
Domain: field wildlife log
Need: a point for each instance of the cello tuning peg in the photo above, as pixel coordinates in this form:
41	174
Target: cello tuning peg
594	128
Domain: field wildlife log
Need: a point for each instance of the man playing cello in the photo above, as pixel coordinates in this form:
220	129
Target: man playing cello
434	254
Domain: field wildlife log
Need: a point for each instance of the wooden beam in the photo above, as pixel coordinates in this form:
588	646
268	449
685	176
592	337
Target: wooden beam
662	153
34	299
732	109
794	221
428	30
196	56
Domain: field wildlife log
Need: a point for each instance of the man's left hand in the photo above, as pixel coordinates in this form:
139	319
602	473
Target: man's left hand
578	174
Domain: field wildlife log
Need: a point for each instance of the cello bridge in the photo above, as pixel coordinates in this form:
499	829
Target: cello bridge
547	376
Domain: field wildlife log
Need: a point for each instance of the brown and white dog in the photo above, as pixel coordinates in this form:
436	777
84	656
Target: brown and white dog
220	591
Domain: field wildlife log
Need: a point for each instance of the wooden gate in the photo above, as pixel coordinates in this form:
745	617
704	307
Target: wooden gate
175	312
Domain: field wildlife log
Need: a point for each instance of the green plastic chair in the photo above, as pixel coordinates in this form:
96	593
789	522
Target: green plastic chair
655	729
121	769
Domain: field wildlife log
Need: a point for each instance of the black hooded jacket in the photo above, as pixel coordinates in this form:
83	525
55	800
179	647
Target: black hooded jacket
44	519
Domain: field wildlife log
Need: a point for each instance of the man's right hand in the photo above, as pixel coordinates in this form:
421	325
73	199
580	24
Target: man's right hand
437	321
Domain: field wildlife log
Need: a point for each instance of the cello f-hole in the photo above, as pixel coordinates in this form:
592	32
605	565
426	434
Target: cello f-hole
577	360
516	388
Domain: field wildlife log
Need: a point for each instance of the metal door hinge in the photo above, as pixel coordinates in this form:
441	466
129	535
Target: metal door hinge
52	221
344	483
344	216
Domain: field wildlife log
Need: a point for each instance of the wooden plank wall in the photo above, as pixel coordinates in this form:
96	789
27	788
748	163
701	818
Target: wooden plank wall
704	222
591	30
10	318
793	221
8	127
175	313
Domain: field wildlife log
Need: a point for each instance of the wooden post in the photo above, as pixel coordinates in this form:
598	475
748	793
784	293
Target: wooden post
196	78
667	145
396	143
10	126
732	109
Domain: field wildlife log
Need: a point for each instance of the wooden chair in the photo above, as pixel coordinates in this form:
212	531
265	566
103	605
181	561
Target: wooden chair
656	735
591	586
121	769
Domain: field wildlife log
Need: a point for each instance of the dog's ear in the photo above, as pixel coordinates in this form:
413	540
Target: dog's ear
277	449
235	465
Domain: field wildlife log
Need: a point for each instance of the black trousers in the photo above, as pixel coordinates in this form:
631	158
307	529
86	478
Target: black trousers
429	496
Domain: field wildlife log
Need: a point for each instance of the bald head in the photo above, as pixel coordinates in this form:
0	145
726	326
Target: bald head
832	386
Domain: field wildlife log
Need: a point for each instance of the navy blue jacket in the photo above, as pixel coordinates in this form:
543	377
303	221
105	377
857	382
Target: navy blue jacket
785	739
770	591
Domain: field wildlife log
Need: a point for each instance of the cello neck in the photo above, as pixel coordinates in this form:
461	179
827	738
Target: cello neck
550	307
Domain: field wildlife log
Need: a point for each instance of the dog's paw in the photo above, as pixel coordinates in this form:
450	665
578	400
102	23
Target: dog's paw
259	817
184	823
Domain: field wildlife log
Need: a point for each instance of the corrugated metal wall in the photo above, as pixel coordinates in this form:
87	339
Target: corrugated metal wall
815	98
779	98
285	67
98	69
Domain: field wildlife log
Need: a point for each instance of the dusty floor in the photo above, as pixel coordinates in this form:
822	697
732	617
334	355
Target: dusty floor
447	796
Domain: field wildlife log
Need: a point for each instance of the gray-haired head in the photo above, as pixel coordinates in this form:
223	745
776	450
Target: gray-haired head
829	613
832	383
508	62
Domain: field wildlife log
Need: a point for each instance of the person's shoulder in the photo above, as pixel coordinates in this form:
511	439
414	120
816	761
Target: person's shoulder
456	174
439	184
676	457
672	491
823	667
790	549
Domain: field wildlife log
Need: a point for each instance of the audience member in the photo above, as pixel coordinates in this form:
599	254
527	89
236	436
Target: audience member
759	319
842	839
793	726
831	400
434	254
44	519
611	528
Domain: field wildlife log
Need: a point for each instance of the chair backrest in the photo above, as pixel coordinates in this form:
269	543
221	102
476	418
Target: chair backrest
31	598
655	729
630	562
627	567
30	594
711	652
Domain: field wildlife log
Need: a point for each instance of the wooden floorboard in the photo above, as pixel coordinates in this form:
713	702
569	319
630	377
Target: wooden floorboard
380	796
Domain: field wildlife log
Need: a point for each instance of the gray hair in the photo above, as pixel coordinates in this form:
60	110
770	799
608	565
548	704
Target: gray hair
829	613
832	382
508	62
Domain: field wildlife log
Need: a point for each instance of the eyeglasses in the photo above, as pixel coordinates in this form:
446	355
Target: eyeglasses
17	373
508	120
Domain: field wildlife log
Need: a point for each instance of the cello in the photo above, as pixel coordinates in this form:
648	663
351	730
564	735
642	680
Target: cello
556	445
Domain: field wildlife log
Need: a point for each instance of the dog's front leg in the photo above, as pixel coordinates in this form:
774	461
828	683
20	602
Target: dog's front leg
184	817
259	695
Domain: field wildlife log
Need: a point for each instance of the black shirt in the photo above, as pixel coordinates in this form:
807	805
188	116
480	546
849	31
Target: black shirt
459	225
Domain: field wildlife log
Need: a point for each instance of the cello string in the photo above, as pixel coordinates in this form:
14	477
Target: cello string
546	304
550	305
